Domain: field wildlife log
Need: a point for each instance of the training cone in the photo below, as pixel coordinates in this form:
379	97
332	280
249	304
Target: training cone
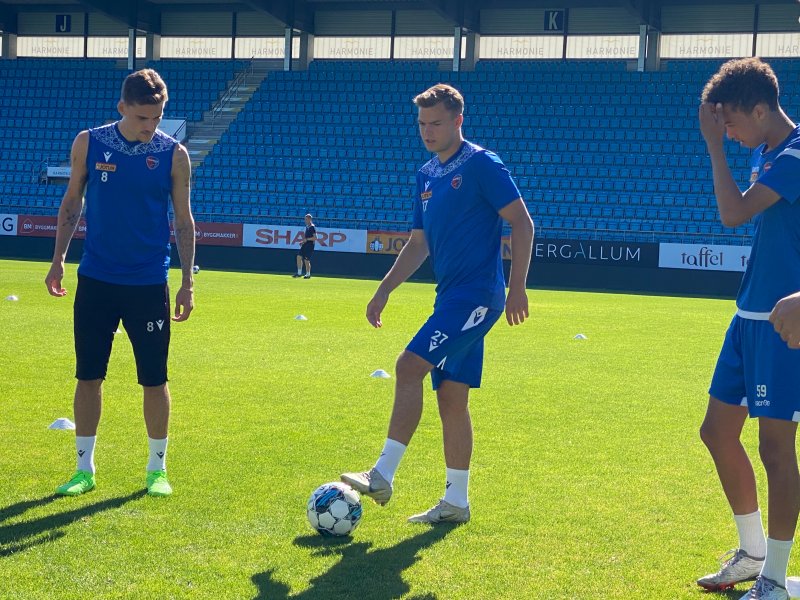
381	374
62	423
301	318
580	336
12	298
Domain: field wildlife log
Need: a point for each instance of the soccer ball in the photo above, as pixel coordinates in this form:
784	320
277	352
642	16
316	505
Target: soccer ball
334	509
195	269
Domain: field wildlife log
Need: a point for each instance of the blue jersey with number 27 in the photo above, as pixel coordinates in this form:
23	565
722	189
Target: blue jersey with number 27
457	205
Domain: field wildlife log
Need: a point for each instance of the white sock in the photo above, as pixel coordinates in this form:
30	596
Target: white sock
751	534
456	487
389	459
84	445
777	560
300	271
158	454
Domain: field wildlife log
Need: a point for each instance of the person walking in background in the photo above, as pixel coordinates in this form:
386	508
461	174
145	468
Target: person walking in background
306	249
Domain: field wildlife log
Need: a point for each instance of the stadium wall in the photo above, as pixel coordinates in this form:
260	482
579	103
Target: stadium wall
675	269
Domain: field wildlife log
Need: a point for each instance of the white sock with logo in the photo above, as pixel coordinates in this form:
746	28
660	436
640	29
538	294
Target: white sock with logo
456	487
777	560
84	446
390	458
751	534
158	454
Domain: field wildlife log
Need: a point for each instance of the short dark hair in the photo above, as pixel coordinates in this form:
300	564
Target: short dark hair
441	93
144	87
742	84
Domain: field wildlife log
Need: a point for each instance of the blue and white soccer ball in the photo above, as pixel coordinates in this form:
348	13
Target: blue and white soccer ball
334	509
195	269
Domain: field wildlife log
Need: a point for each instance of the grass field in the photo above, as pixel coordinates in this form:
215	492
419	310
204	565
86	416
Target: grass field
588	479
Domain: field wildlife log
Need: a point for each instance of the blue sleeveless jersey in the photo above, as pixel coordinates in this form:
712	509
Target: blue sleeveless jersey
773	270
457	206
127	202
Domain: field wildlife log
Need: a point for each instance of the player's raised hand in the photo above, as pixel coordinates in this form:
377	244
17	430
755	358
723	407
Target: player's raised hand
712	122
184	304
53	280
375	308
516	307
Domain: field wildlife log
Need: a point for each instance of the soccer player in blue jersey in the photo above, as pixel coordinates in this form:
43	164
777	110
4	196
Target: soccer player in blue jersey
128	171
463	195
756	374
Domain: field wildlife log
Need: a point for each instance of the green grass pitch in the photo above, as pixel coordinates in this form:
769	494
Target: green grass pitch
588	479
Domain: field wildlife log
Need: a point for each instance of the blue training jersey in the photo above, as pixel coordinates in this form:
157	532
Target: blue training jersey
773	270
127	201
457	206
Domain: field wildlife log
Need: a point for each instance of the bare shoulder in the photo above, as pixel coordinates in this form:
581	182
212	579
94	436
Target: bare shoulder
180	158
180	153
81	140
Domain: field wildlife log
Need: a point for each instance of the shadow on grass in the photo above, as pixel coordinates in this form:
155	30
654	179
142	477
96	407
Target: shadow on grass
20	507
359	573
19	537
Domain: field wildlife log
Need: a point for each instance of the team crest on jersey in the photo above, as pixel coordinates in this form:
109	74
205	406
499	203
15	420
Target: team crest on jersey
152	162
456	182
767	167
105	167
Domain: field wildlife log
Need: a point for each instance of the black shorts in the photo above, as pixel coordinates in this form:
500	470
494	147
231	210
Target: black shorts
144	312
307	250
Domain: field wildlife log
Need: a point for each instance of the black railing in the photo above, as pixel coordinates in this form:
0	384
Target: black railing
233	89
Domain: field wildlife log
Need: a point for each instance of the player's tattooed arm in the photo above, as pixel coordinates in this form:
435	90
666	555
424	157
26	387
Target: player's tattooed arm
184	230
69	213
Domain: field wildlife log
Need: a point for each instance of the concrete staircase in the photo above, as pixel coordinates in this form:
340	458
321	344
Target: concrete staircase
204	135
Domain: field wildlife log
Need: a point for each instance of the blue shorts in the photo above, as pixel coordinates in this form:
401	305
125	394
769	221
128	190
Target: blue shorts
757	369
452	341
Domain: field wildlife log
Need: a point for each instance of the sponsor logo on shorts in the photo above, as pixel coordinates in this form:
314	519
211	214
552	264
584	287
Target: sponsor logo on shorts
476	318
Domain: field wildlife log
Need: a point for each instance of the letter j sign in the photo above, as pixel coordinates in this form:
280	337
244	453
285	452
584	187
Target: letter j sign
63	23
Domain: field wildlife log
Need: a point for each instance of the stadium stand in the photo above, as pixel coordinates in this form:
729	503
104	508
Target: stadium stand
598	151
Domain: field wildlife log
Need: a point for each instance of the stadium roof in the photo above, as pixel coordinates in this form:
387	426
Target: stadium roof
299	14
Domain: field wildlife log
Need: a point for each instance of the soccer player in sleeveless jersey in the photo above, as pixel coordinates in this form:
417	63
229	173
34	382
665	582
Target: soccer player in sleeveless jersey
463	195
756	373
128	171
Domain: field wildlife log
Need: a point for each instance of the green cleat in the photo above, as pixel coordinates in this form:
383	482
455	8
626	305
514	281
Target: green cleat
81	482
157	484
